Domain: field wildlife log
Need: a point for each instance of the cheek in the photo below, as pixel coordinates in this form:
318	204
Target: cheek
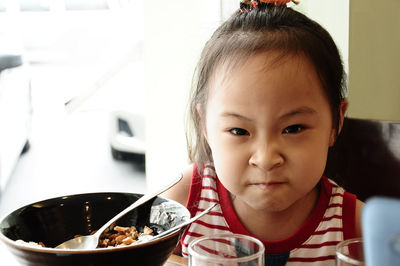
311	165
229	169
229	161
222	155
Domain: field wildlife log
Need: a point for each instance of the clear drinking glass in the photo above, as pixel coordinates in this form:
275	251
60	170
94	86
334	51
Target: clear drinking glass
227	249
350	252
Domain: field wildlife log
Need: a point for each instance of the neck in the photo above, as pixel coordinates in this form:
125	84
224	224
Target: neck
274	226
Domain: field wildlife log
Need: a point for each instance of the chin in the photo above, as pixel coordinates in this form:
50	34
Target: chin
269	206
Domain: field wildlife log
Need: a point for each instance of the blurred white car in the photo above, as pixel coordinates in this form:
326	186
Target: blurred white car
15	94
15	113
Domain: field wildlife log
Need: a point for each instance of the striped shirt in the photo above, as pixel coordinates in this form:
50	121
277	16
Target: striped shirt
331	221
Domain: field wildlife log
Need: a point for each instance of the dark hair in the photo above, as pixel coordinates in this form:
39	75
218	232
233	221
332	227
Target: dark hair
266	28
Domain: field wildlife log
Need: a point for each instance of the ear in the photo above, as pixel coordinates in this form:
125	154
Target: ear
200	113
342	109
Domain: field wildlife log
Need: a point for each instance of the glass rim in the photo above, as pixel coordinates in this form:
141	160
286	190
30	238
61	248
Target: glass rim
192	252
347	258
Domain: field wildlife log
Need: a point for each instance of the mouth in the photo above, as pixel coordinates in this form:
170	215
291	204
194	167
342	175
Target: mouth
268	185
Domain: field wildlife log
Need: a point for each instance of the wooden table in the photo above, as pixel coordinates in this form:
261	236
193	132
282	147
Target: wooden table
175	260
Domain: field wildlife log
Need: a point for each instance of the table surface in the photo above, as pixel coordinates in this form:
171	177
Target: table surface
8	259
175	260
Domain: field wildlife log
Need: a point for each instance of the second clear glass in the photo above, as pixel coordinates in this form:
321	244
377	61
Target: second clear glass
350	252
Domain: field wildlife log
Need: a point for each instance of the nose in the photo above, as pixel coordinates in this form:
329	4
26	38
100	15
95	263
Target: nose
266	155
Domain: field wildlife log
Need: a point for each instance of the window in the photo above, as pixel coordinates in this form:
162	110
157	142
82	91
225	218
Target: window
86	5
34	5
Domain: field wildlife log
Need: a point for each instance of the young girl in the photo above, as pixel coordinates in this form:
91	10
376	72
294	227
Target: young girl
267	104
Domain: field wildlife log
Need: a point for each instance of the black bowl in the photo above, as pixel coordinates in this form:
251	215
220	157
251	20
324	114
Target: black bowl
56	220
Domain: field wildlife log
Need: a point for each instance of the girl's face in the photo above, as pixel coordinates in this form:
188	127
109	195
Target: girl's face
269	127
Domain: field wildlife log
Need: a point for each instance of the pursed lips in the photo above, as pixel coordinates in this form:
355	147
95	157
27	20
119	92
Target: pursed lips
268	184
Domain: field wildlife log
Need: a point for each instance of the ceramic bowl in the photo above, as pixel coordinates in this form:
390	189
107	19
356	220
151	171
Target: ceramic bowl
56	220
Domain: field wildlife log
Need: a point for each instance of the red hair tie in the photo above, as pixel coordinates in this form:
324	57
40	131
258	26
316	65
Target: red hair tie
247	5
279	2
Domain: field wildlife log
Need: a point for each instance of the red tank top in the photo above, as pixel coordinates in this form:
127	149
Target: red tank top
331	221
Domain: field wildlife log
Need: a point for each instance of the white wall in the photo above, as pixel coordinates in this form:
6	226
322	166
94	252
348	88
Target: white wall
333	15
175	33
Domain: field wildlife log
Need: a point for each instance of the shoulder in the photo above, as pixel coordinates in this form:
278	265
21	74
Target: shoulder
359	207
352	209
180	191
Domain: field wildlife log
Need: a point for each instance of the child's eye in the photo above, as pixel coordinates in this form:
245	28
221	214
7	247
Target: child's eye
239	131
294	129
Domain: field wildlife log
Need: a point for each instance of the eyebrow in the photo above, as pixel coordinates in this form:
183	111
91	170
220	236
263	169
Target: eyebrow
235	115
298	111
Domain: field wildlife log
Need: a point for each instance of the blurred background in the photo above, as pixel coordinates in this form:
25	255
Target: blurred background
81	63
93	93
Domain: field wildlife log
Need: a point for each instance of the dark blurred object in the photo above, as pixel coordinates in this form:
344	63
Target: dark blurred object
127	137
55	220
366	158
10	61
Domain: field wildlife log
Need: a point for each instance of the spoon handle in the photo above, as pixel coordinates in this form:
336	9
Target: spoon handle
191	220
136	204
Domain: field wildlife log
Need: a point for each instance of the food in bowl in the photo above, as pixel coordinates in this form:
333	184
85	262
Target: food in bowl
30	243
117	237
122	236
56	220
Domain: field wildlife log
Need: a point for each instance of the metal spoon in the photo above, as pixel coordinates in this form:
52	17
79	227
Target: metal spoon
91	241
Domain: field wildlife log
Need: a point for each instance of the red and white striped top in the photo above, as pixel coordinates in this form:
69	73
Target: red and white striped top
331	221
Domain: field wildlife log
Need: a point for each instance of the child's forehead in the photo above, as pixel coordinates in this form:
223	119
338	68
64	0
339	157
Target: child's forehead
267	86
260	81
260	62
